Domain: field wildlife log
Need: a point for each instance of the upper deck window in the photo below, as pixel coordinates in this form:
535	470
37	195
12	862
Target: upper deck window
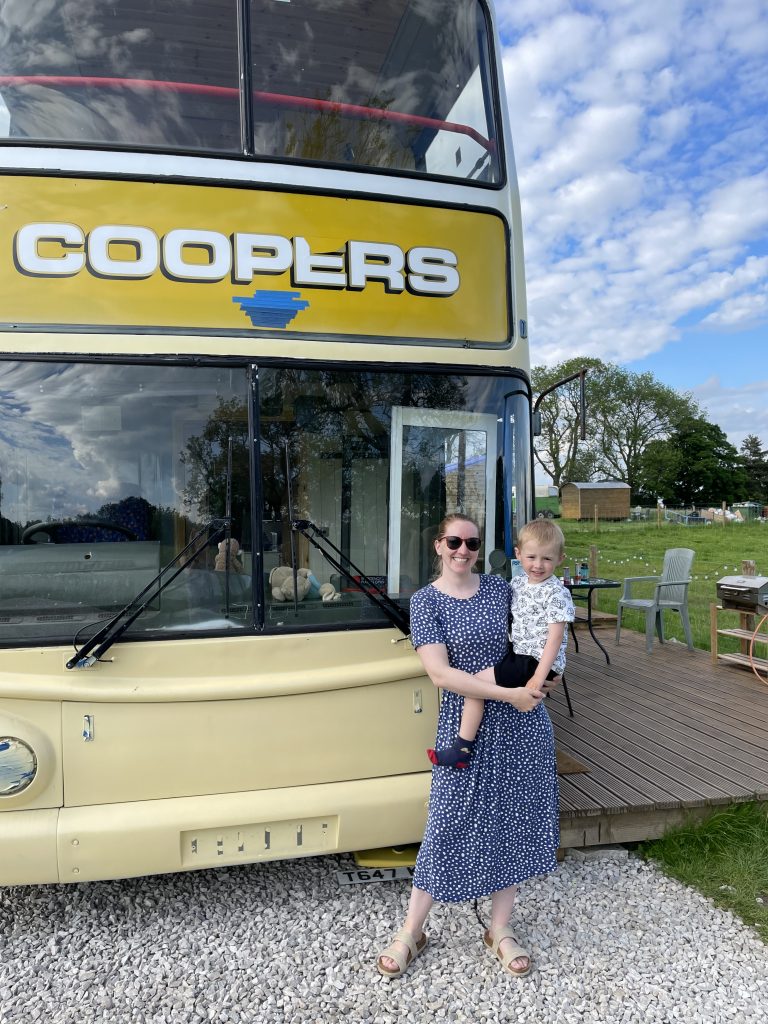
137	73
401	85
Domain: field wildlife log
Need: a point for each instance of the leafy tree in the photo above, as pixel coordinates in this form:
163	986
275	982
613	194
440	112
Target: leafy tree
625	413
697	465
658	473
755	460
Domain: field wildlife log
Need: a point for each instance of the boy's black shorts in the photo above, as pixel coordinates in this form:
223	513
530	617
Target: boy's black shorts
516	669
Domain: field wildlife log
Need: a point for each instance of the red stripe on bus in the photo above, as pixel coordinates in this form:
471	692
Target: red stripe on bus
299	102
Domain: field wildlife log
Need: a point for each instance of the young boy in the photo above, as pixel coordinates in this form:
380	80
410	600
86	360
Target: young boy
541	610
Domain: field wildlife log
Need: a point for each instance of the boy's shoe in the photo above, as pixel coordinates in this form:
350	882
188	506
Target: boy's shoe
455	756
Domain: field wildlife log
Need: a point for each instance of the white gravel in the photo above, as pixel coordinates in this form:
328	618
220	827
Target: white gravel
613	941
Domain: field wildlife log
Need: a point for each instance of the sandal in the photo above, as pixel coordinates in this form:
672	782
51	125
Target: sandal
494	939
414	948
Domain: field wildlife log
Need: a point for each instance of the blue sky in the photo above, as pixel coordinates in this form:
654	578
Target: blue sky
640	130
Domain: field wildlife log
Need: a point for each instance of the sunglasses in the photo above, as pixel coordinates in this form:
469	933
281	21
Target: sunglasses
454	543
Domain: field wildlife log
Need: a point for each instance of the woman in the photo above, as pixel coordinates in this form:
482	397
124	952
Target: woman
495	823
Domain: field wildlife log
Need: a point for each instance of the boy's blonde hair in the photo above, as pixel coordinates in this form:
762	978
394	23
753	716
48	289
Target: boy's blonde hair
544	532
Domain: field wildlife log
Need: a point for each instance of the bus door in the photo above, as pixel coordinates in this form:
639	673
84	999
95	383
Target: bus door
441	462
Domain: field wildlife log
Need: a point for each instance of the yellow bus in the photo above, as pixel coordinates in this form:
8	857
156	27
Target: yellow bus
263	324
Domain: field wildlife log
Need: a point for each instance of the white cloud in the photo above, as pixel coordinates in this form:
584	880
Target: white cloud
670	125
741	311
737	411
641	143
723	287
738	212
600	136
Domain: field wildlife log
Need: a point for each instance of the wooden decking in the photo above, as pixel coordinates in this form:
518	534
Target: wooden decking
664	735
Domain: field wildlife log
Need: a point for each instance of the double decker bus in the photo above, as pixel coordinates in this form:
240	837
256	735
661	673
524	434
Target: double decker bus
262	325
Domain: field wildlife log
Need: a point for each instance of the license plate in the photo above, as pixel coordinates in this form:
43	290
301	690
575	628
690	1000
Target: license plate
373	875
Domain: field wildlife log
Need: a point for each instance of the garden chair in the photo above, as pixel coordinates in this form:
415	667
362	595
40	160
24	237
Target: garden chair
670	594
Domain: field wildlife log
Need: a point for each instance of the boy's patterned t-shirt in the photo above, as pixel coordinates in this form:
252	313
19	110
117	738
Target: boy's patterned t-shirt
534	607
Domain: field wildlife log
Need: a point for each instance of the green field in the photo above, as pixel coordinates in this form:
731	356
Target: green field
637	549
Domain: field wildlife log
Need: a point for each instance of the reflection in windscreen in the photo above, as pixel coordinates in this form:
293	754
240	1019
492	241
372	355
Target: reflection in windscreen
106	472
375	461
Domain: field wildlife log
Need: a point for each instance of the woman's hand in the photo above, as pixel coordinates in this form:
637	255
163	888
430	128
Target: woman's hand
521	697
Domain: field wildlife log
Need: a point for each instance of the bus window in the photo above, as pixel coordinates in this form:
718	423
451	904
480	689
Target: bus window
392	84
376	460
106	472
160	75
400	85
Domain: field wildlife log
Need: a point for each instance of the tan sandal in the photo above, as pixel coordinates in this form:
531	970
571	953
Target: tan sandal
403	962
494	939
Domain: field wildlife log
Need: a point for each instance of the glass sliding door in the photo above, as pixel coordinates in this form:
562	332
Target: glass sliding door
442	461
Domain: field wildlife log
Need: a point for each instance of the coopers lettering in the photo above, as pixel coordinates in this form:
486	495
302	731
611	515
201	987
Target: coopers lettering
133	252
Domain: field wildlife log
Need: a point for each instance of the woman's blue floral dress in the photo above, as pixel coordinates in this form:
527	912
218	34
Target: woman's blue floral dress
496	822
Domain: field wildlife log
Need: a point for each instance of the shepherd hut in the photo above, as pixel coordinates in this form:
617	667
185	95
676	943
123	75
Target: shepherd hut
609	497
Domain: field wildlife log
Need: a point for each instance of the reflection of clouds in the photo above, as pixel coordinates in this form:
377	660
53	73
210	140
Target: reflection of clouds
127	115
98	38
440	32
115	40
24	15
435	13
42	34
410	58
52	466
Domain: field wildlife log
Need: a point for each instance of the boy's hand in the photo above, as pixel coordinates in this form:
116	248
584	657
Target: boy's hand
550	684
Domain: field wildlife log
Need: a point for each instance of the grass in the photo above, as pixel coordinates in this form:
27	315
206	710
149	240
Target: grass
724	858
637	549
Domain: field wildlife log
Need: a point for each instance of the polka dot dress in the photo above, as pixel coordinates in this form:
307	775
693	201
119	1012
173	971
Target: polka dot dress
496	822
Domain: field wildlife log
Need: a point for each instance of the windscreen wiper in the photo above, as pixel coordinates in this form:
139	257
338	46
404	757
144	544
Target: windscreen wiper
102	640
396	615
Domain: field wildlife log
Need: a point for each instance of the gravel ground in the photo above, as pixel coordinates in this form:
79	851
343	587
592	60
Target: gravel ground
613	940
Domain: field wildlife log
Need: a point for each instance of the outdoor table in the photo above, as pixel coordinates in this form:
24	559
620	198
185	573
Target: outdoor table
590	585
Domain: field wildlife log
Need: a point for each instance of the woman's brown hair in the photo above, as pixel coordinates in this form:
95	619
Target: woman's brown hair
455	517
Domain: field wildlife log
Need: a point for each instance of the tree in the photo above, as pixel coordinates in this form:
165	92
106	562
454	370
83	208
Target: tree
632	411
697	465
625	413
206	460
658	473
755	461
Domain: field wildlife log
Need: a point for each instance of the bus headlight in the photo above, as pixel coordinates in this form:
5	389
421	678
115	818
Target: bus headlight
18	766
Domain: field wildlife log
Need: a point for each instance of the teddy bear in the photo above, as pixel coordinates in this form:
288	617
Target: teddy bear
281	581
220	563
307	585
325	591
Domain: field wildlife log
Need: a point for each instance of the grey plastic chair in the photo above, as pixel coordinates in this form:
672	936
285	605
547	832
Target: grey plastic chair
670	594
